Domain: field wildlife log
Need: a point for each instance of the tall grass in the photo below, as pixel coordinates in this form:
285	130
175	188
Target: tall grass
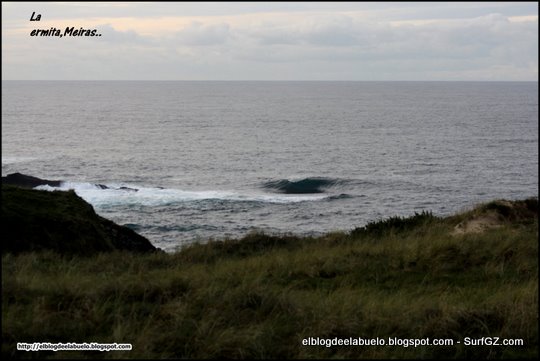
260	296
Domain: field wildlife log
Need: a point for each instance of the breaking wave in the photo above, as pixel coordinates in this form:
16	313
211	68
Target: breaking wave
111	195
310	185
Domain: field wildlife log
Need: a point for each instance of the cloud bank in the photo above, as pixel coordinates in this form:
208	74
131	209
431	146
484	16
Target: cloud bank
276	41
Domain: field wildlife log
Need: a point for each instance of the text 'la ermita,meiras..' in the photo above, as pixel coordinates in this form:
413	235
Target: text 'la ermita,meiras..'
68	31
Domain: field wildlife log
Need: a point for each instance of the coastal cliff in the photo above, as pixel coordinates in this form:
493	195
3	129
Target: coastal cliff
382	287
61	221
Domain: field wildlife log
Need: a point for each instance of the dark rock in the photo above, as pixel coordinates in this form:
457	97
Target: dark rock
26	181
124	238
128	189
34	220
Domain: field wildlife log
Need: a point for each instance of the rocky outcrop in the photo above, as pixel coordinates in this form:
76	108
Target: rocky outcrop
61	221
26	181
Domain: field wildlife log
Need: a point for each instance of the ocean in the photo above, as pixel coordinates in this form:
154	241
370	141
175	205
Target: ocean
182	162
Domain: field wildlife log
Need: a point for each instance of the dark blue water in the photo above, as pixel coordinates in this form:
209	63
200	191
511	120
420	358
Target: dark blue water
220	159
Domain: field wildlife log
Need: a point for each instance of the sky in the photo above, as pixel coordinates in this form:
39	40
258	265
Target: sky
367	41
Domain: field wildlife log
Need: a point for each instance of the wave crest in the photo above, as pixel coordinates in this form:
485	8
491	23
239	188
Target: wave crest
302	186
111	195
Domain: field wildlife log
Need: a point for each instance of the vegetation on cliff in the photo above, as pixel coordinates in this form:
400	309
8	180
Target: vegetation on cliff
472	275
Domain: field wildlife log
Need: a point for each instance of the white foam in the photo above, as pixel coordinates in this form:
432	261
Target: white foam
14	159
113	196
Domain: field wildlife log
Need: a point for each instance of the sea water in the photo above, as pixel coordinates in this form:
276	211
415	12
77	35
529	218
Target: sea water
181	161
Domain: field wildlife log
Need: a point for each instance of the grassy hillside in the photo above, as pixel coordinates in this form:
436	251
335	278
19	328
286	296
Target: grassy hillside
471	275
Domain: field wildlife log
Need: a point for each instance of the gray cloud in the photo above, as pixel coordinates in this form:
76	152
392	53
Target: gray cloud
311	41
198	34
109	34
490	36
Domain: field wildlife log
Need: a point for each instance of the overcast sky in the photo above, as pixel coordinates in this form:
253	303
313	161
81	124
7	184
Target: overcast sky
273	41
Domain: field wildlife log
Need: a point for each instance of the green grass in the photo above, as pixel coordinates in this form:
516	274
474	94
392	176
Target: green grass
258	297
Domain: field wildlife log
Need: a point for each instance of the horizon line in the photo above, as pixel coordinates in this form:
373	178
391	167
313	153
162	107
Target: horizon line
279	80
